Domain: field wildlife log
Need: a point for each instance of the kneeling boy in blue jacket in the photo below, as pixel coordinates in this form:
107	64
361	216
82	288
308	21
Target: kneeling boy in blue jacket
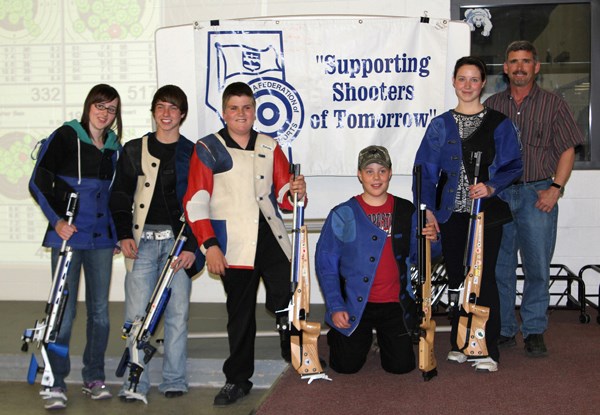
361	265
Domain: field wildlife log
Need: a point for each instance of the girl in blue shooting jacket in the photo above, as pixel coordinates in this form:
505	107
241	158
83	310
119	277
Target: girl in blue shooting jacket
80	156
446	156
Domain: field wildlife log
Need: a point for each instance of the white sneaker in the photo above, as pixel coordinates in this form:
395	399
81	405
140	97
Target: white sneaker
486	364
96	390
130	396
54	398
457	357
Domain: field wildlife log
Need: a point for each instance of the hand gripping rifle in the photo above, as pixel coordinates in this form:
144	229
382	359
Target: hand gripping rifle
45	332
138	333
427	361
303	334
470	336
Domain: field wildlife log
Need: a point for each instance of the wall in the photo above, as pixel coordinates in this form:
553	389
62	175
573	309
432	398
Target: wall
24	266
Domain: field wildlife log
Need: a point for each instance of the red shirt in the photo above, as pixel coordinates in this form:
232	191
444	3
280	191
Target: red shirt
386	286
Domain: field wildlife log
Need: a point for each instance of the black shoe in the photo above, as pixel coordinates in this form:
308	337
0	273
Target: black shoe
173	394
534	345
229	394
506	342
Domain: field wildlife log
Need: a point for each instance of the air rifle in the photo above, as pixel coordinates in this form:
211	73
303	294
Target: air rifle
470	336
303	334
45	332
427	361
139	332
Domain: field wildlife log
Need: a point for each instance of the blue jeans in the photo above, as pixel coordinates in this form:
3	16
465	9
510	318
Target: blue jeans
139	286
97	268
533	233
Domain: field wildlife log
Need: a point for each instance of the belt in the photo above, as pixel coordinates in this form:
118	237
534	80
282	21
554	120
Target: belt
157	235
532	181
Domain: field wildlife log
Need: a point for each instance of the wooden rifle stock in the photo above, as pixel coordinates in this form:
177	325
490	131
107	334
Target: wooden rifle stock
470	336
427	361
303	334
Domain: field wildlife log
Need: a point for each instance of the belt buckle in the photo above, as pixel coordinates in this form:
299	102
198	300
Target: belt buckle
162	235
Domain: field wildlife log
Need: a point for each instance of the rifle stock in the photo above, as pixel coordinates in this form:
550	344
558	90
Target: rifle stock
427	360
303	333
45	332
470	336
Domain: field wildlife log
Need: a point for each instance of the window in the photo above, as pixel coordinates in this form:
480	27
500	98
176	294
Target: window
567	37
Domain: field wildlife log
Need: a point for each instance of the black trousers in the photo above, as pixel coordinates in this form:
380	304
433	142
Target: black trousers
454	240
348	354
241	286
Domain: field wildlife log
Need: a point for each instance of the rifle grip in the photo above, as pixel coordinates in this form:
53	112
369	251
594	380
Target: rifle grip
470	336
427	361
123	363
305	353
33	370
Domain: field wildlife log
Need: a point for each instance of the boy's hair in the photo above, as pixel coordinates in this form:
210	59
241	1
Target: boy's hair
173	95
521	45
237	89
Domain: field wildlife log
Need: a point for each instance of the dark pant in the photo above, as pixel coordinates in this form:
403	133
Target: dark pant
454	240
241	286
349	354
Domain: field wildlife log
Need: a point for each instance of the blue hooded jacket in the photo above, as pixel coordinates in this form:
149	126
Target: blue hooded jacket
69	162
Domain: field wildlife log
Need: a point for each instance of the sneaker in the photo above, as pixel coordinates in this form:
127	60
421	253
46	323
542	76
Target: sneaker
486	364
54	398
229	394
457	357
535	346
173	394
96	390
128	396
506	341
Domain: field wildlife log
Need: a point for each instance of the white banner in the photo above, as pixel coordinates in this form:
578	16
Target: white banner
329	87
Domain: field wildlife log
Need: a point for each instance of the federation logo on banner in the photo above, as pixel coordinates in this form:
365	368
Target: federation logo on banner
256	58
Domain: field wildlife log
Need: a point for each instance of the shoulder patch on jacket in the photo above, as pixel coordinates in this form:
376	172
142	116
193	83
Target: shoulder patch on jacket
343	224
214	154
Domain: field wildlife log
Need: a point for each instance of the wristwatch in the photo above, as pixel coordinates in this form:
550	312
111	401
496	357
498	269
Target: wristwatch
558	186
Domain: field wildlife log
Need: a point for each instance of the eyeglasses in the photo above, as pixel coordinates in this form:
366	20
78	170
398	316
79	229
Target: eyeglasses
102	107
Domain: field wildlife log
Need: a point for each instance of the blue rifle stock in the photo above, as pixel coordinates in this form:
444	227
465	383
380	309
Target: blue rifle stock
45	332
138	333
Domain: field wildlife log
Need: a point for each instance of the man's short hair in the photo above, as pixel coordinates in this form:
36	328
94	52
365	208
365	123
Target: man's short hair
521	45
237	89
173	95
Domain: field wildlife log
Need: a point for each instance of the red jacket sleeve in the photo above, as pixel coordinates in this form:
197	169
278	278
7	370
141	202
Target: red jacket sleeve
196	201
